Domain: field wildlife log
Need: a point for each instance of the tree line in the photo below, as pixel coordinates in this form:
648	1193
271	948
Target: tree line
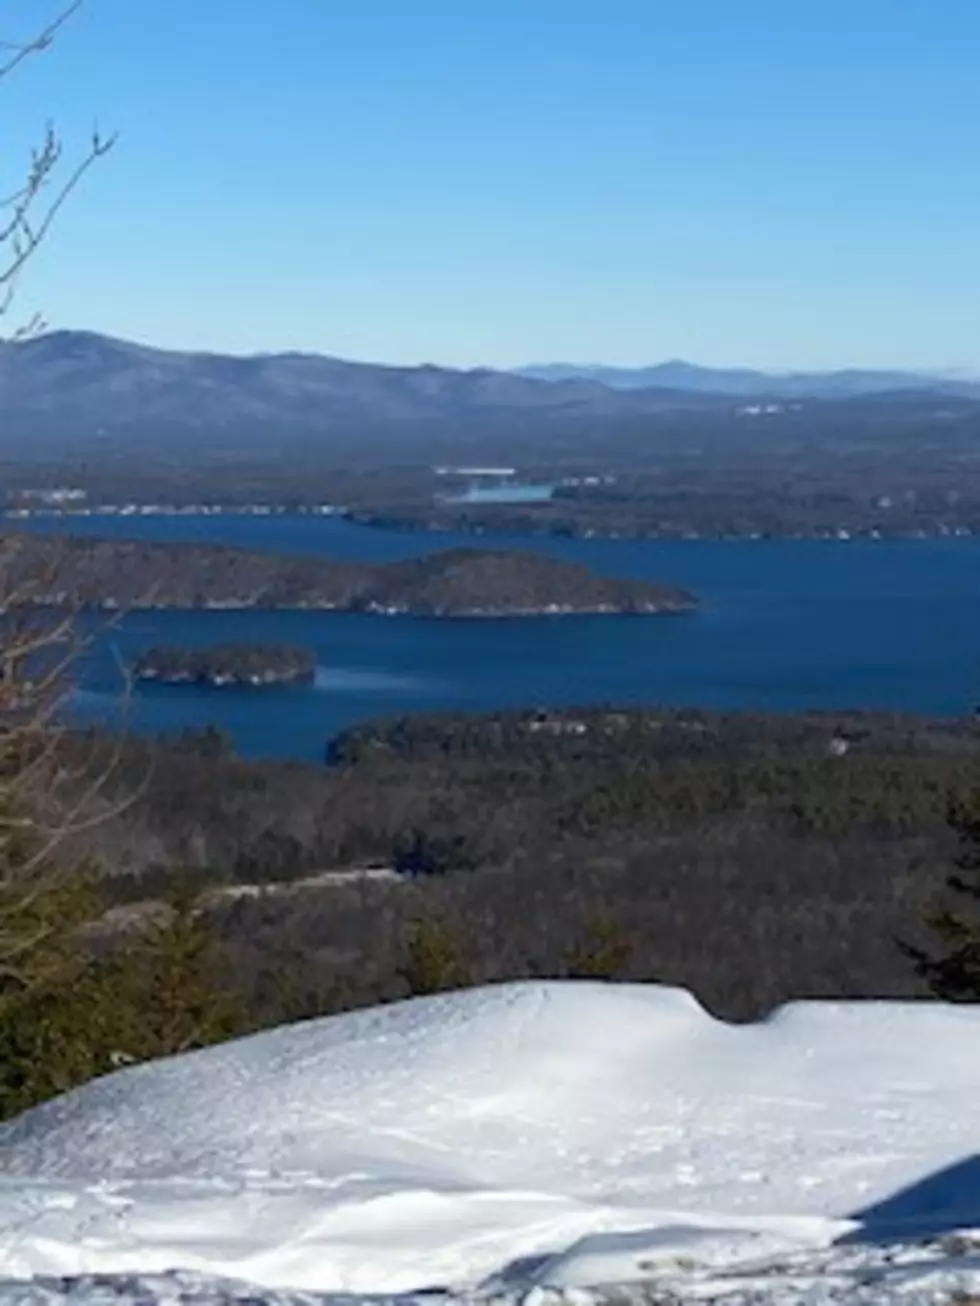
753	859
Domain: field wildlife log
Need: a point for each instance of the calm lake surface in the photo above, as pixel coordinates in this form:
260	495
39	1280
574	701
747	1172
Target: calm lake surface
783	625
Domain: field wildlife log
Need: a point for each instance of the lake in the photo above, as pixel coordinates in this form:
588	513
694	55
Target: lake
784	625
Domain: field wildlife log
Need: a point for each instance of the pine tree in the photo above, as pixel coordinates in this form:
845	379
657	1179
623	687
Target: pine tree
952	971
68	1030
175	987
603	951
73	1015
432	962
60	1017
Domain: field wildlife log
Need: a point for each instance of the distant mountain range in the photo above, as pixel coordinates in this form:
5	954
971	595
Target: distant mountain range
84	381
745	383
77	383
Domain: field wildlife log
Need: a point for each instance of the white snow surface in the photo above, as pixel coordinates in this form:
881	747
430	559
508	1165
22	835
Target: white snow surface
570	1141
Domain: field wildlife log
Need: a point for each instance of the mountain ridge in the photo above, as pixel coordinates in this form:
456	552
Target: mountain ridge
738	382
93	380
78	384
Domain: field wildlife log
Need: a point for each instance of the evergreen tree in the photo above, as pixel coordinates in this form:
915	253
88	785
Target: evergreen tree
952	968
432	961
72	1014
602	952
61	1019
62	1033
175	987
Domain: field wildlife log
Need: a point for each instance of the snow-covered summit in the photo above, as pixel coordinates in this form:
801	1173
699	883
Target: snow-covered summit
451	1089
444	1140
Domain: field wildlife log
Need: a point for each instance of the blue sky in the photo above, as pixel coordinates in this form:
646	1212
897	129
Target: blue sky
782	183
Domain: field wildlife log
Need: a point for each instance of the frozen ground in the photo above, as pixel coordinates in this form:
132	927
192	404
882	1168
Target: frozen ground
558	1141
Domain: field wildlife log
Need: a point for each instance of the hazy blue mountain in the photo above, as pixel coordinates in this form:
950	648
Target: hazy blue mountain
82	381
744	382
74	389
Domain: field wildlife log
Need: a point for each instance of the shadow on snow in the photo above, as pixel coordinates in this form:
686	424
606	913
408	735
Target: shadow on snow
939	1203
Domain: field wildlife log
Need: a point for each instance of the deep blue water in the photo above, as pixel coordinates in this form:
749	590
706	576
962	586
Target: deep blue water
784	625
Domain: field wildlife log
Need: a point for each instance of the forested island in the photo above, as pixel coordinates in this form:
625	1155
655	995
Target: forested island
126	575
231	666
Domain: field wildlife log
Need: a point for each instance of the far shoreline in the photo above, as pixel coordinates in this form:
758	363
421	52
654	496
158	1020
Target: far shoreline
60	519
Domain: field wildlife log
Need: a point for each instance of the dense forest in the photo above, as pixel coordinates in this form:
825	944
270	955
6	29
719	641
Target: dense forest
751	858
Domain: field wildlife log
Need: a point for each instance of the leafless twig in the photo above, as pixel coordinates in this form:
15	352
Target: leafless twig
29	211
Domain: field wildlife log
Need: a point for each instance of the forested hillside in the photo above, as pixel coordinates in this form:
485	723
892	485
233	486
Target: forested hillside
751	858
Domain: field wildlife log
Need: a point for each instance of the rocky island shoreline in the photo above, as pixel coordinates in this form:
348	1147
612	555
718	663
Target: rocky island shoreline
227	666
127	575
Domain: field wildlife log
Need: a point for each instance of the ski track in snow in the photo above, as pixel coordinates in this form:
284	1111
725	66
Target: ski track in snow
528	1142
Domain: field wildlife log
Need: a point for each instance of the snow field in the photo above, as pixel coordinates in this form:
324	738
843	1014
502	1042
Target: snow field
536	1139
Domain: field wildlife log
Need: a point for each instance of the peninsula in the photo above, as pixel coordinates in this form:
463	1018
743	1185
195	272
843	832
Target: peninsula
126	575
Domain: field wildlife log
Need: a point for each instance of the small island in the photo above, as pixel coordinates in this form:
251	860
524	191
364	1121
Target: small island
227	666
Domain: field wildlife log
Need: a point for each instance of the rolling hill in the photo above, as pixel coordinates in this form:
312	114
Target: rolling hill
742	382
80	382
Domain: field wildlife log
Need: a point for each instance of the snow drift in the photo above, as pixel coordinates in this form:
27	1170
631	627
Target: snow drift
559	1134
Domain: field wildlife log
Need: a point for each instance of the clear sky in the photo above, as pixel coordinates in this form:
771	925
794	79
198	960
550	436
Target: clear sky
782	183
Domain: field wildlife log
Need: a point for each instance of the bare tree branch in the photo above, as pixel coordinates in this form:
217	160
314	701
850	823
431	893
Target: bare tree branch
44	802
28	213
40	41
